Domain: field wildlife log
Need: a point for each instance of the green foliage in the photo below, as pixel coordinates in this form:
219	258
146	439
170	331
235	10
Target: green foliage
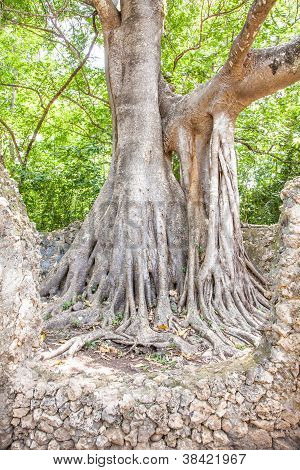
61	188
91	344
75	323
67	304
273	131
162	359
69	159
119	317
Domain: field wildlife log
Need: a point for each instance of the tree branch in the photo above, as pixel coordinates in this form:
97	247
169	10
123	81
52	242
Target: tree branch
269	70
109	15
83	108
25	87
260	152
243	42
31	26
246	76
60	33
13	138
24	13
54	20
92	95
54	98
202	21
33	30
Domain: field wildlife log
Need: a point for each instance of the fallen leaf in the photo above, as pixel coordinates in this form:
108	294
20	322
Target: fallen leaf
163	327
58	362
187	356
42	337
182	333
105	349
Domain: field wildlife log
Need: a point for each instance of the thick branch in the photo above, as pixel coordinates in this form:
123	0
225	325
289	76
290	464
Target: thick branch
167	96
264	72
108	13
243	42
269	70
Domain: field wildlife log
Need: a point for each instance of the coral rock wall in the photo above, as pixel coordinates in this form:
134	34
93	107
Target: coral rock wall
19	279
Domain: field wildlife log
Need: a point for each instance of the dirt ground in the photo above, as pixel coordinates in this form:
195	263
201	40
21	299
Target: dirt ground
128	359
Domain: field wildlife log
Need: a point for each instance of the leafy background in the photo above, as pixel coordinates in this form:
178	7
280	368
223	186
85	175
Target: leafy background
41	45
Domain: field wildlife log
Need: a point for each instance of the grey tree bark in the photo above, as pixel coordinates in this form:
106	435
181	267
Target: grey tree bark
146	234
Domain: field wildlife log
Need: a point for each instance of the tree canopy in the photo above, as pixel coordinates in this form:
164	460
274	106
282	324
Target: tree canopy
55	121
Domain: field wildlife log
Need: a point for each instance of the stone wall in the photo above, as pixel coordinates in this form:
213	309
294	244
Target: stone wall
19	282
261	244
55	244
19	274
251	402
286	329
245	404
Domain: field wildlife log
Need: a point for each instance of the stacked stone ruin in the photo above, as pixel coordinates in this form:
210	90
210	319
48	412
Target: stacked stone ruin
250	402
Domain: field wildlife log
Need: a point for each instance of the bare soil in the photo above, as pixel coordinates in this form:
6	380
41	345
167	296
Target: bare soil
128	359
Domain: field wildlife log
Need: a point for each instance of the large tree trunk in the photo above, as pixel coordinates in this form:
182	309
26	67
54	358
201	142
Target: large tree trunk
146	234
132	247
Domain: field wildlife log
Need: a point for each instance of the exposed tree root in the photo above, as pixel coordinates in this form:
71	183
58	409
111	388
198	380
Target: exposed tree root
157	340
75	344
121	272
122	268
88	316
